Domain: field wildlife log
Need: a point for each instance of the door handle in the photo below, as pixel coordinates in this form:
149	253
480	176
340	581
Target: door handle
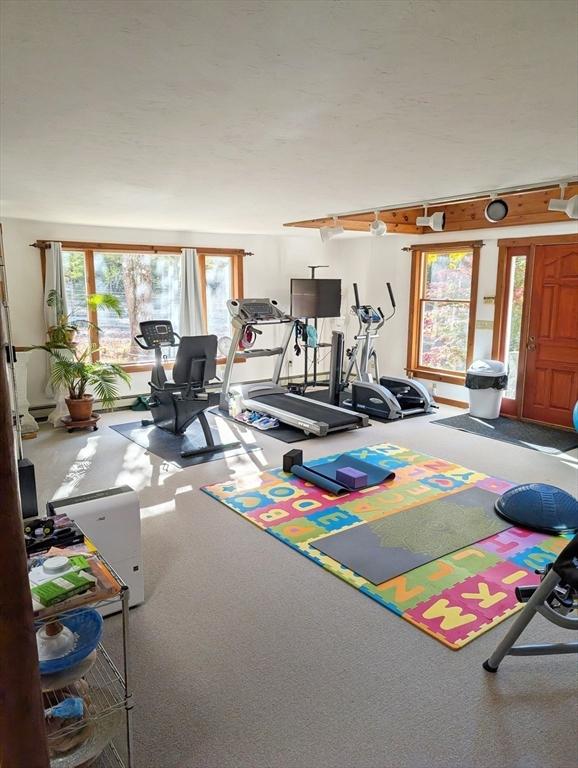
530	346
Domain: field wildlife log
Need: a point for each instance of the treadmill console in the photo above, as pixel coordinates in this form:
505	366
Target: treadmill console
249	311
157	333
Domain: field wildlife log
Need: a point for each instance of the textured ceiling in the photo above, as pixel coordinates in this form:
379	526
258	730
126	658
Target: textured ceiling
239	116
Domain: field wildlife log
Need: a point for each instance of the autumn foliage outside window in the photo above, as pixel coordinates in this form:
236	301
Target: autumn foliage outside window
443	309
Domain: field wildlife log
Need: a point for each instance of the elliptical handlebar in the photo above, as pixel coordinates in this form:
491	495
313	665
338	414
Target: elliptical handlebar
391	296
356	293
393	304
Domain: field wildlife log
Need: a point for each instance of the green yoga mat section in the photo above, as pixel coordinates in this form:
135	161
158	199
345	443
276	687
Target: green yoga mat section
453	598
394	544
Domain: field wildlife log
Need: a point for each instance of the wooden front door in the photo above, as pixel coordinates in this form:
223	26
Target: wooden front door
551	368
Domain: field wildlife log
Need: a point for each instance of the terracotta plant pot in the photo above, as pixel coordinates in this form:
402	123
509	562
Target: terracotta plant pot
81	409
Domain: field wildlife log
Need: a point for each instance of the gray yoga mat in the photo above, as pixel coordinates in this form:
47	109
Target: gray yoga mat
533	436
168	446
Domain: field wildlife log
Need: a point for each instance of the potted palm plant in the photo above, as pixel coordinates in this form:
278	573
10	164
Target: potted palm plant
63	333
75	372
73	369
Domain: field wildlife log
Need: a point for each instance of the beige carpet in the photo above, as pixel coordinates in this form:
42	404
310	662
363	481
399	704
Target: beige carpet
246	656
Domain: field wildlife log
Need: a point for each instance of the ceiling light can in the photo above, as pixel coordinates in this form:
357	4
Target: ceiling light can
496	210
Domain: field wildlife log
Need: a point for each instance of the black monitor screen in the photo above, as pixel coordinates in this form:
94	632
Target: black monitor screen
315	298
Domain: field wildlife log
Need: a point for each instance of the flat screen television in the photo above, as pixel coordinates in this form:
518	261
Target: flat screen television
315	298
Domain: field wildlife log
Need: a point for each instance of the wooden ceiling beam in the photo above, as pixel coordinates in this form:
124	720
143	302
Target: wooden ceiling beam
525	207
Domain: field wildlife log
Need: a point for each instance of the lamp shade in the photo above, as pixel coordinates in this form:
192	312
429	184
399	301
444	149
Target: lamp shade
569	207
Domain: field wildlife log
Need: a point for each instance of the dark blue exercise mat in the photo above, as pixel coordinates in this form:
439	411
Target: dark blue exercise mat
325	475
167	446
524	433
320	481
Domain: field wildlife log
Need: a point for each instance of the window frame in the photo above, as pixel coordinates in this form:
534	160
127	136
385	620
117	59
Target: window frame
235	254
413	367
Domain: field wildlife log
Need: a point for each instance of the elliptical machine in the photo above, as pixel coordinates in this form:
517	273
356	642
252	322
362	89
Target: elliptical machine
391	398
176	404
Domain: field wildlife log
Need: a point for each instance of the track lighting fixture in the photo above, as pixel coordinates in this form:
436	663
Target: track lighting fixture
377	227
436	221
569	207
328	232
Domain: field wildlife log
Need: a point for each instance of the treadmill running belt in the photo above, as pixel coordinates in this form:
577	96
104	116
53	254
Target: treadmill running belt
308	409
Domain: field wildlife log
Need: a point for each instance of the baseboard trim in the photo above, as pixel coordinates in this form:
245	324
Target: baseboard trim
449	401
123	403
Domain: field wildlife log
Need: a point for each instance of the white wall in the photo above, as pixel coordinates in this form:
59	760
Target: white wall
363	259
385	260
267	273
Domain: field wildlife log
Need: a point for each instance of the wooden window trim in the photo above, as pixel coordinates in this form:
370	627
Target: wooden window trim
413	366
513	242
433	247
235	254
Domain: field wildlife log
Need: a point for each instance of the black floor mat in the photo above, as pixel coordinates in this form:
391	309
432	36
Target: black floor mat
284	432
168	446
533	436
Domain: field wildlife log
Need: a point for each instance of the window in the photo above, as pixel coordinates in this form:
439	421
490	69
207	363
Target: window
515	308
147	284
218	272
510	320
442	311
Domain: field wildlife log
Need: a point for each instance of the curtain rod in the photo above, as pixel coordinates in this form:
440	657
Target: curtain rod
45	245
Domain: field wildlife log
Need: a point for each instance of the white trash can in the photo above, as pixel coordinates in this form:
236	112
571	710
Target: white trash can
486	381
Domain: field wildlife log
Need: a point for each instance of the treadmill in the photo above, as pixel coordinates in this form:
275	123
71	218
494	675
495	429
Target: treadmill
268	397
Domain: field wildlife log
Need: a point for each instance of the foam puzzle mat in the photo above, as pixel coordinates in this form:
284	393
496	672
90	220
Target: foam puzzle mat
454	598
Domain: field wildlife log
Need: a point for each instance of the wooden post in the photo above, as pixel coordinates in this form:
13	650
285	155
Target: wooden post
22	727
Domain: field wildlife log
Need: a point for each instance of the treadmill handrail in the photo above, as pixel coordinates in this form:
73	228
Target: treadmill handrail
260	352
235	353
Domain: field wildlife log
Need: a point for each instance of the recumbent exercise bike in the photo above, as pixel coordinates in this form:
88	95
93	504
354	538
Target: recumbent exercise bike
176	404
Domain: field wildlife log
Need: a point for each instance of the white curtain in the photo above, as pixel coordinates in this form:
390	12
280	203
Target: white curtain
54	282
191	314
